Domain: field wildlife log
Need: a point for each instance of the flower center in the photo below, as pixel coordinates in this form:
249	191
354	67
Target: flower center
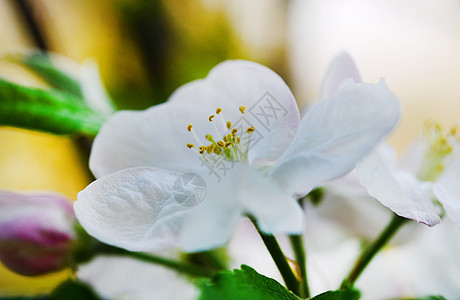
228	142
439	146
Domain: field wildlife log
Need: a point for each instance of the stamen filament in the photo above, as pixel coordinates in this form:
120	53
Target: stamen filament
232	140
230	145
248	140
196	136
215	129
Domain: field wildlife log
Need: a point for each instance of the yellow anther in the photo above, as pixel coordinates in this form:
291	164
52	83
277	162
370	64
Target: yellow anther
453	131
208	137
238	139
242	109
211	117
218	110
217	150
209	148
202	149
227	144
190	146
229	124
221	143
234	130
250	129
189	127
225	139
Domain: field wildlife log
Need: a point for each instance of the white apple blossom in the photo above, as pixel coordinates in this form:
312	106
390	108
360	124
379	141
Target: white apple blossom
238	129
115	277
411	190
408	193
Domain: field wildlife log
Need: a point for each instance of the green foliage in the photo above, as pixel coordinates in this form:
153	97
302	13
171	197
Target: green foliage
243	284
73	290
47	110
214	260
316	196
41	64
349	294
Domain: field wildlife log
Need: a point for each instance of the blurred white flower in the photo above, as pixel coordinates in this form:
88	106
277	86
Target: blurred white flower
115	277
270	155
412	192
420	261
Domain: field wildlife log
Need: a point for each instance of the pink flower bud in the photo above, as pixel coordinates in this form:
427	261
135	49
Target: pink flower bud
36	232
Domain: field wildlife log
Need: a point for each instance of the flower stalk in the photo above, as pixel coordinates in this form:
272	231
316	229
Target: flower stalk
300	257
372	249
184	268
280	259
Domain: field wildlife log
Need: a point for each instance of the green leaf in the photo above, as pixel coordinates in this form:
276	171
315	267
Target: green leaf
350	294
73	290
41	64
51	111
243	284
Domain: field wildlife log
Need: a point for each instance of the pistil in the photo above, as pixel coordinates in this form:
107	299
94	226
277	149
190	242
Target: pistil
229	146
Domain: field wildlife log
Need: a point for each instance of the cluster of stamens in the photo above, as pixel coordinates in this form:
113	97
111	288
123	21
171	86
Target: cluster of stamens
230	145
439	146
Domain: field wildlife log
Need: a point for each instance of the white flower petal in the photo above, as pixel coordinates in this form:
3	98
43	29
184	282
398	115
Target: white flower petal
447	190
134	209
274	208
212	223
335	134
399	191
156	137
241	191
125	278
271	107
341	72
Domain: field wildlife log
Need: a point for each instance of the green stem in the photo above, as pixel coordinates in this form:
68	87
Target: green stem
372	249
184	268
280	260
300	257
213	260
